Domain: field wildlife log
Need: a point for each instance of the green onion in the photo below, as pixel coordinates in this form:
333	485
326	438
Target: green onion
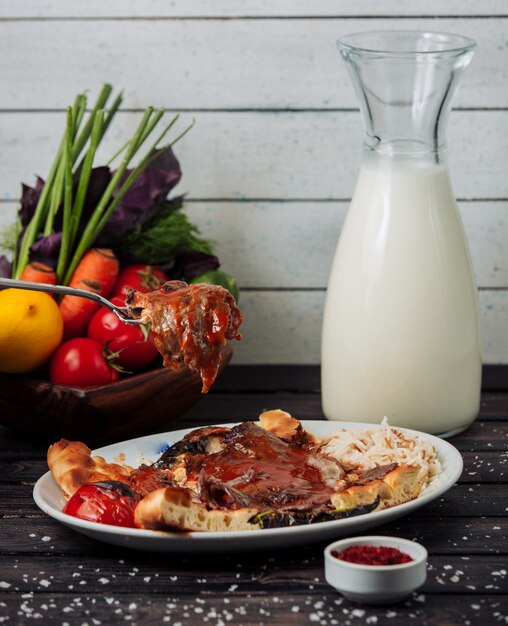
83	136
32	230
85	173
67	205
66	186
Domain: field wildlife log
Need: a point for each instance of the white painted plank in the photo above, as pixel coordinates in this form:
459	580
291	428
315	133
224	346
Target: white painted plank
240	8
7	214
218	64
494	320
313	155
291	245
272	245
486	226
285	327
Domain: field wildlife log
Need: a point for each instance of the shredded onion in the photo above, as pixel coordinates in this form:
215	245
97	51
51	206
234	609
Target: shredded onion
369	448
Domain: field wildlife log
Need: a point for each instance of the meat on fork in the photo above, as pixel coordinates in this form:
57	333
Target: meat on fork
190	324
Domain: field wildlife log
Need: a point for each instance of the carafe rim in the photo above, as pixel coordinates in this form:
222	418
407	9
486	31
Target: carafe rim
439	42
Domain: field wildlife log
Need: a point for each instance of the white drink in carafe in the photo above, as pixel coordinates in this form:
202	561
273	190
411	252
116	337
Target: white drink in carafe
401	324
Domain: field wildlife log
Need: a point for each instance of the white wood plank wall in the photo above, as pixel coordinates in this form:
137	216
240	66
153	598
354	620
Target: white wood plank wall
271	163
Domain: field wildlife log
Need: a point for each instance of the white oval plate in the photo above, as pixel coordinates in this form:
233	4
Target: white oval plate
48	497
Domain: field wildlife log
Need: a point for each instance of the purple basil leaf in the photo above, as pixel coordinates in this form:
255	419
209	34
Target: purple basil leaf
5	267
145	196
99	180
46	249
29	198
190	263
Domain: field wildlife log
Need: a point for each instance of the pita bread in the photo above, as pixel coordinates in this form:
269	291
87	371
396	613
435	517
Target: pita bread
398	486
176	508
72	465
185	505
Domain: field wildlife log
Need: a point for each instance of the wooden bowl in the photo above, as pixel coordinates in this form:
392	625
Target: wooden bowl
138	405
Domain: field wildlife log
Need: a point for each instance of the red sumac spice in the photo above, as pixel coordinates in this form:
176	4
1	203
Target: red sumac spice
372	555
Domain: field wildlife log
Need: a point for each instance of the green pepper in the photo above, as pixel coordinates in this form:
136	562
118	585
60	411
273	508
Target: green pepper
218	277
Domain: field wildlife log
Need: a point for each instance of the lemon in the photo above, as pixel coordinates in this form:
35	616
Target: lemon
31	328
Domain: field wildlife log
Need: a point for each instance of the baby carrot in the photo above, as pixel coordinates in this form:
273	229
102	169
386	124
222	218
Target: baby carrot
36	272
76	311
97	271
98	264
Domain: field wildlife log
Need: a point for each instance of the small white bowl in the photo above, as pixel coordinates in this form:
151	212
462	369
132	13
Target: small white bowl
376	584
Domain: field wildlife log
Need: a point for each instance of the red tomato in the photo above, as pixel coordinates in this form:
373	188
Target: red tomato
108	502
140	277
133	347
80	362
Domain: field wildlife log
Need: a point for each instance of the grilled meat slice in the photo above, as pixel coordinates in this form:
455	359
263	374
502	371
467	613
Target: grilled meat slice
190	323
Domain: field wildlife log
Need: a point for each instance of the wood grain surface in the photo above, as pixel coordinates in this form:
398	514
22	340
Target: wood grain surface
53	574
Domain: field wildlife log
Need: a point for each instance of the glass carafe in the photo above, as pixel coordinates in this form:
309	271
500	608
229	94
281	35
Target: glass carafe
401	331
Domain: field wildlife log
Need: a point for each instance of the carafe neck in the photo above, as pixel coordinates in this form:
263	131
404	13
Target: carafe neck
405	81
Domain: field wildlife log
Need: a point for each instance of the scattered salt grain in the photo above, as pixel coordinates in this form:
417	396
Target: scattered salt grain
502	572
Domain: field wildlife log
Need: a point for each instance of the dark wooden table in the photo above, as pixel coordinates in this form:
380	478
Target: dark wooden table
50	574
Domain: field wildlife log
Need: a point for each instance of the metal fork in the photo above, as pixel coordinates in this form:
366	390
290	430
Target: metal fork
126	314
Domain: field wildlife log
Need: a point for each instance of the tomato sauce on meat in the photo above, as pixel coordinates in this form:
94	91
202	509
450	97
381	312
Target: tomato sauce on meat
190	323
257	468
146	479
